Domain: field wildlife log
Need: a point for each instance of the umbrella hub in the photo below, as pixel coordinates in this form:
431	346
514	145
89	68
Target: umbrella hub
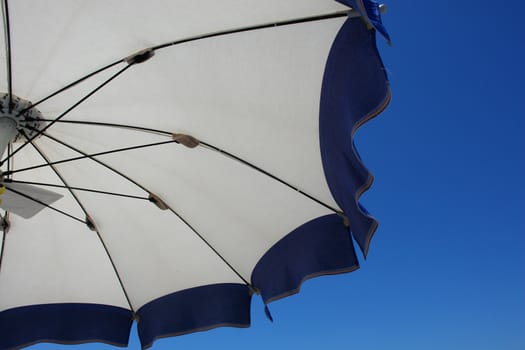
19	119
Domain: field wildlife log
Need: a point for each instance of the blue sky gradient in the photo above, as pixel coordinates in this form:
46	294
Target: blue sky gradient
446	266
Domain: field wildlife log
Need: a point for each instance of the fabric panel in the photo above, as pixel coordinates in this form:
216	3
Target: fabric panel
64	323
194	309
355	89
319	247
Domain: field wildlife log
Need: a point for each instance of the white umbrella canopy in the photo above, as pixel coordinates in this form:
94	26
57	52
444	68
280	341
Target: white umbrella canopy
165	160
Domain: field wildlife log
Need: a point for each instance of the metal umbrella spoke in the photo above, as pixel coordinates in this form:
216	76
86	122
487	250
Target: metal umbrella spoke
45	205
214	250
84	156
69	86
7	34
112	125
276	178
345	13
76	189
107	81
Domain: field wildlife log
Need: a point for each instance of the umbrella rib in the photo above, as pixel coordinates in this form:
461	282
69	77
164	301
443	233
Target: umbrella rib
171	209
40	131
55	170
212	248
7	34
76	189
90	156
113	125
45	205
262	171
96	160
216	149
345	13
69	86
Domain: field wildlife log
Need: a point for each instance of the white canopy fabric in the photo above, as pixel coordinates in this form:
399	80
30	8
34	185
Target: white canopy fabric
179	238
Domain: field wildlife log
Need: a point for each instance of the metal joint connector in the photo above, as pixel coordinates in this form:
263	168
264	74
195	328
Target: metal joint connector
185	140
139	57
153	198
90	223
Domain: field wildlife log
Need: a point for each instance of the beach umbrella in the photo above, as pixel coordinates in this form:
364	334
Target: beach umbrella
165	161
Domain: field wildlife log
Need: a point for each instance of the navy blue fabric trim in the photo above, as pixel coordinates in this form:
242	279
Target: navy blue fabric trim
319	247
193	310
369	9
355	89
64	323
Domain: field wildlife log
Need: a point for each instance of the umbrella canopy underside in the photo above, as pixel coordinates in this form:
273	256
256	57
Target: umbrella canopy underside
220	167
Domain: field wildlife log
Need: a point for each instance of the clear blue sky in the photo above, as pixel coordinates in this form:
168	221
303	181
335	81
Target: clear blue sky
446	267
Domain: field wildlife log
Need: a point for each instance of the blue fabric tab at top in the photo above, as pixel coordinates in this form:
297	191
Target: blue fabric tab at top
369	9
355	89
64	324
195	309
320	247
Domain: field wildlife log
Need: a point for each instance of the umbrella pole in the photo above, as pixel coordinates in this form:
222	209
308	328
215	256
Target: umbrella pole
8	132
